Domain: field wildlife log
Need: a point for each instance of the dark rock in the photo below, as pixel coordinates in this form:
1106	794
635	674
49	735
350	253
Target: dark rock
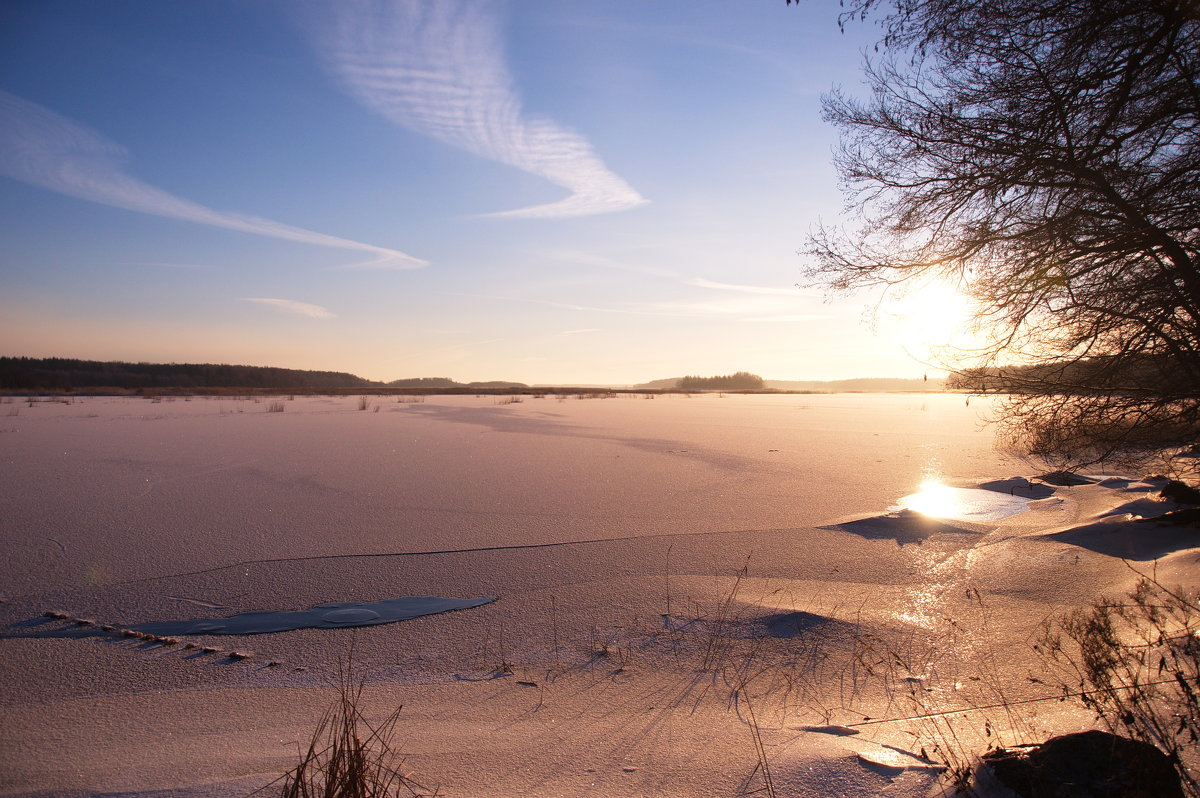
1188	517
792	624
1091	764
1178	492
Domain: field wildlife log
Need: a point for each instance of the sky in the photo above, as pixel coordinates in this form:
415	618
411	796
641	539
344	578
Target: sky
546	191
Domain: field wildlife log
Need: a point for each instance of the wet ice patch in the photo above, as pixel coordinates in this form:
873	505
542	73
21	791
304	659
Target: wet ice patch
351	616
963	504
890	758
1019	486
332	615
833	728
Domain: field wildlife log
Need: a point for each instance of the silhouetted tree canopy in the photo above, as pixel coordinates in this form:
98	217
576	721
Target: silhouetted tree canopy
424	382
738	381
63	374
1043	155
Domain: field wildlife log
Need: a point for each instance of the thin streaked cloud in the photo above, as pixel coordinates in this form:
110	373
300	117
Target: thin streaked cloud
580	332
292	306
592	259
564	305
750	308
791	317
748	289
437	67
739	304
468	344
779	62
158	265
48	150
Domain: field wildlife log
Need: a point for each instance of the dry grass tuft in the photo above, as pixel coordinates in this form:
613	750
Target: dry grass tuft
1134	660
348	757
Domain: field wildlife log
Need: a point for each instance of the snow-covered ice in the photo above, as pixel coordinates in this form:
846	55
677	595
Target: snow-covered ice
676	578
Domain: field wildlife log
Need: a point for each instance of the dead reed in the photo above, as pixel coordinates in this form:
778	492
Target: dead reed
349	757
1134	661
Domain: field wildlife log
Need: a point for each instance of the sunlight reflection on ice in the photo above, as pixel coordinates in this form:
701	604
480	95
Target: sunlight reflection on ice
962	504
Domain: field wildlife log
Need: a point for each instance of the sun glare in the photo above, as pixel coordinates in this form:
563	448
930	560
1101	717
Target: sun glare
928	315
933	499
937	500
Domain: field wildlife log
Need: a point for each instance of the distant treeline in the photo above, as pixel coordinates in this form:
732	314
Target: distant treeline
859	385
424	382
740	381
1088	376
433	383
66	374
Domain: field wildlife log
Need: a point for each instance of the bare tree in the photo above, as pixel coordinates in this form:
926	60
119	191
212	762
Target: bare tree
1042	154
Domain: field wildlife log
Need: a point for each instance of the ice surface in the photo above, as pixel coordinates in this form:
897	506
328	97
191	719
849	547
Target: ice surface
834	729
595	519
895	759
963	504
331	615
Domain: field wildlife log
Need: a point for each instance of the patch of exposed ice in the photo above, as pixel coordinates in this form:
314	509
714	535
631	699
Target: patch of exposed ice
833	728
895	759
963	504
332	615
1019	486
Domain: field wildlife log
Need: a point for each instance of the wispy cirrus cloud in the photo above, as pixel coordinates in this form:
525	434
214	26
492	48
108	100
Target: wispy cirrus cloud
751	309
592	259
789	318
602	261
292	306
157	265
700	282
747	307
463	346
437	67
550	303
48	150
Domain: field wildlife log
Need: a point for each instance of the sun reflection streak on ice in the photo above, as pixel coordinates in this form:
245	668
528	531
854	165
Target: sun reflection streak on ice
937	500
933	499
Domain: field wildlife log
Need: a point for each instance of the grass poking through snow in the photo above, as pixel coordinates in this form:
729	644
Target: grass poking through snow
349	757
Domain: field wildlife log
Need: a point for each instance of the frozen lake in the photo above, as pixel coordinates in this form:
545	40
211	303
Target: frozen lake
112	489
628	574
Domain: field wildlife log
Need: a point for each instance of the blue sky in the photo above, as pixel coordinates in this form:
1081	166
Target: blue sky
550	191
